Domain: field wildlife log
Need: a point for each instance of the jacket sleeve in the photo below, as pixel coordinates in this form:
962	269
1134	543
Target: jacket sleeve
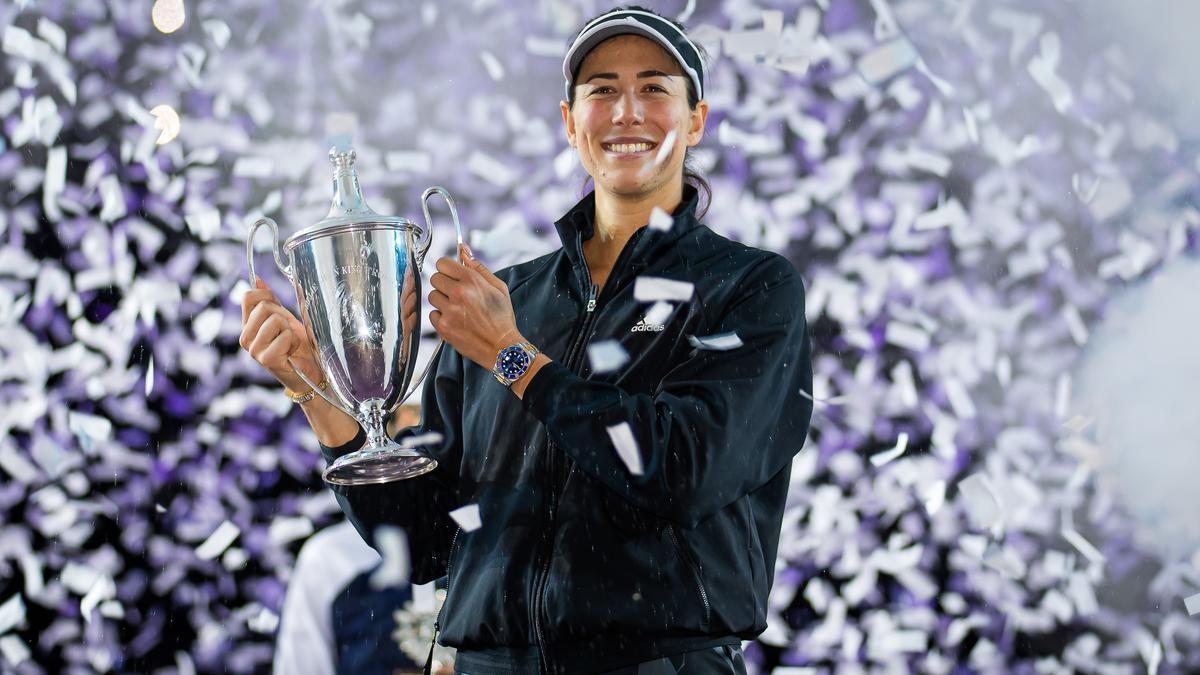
421	505
720	424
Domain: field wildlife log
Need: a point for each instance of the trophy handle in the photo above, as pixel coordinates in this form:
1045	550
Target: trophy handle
427	238
331	400
283	267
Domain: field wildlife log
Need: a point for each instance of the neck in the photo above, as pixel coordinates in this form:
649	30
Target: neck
618	217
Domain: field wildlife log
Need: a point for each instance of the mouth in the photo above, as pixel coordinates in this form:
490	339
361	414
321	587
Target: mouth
628	148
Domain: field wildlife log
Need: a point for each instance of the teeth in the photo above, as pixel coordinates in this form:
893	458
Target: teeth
628	147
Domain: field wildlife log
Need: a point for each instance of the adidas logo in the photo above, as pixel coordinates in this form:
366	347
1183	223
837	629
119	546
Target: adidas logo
642	327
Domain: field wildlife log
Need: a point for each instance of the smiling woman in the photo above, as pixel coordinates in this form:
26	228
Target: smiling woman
630	506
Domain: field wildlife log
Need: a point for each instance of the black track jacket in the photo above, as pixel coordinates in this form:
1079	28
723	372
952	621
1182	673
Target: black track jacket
579	563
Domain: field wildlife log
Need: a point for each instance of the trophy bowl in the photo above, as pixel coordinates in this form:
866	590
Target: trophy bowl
357	280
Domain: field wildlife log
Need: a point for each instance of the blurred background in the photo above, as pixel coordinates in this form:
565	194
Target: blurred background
992	204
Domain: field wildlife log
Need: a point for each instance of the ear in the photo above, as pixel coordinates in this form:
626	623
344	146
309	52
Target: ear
699	117
568	122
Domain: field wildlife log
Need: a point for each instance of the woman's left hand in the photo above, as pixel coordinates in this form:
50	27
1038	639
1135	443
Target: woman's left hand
472	310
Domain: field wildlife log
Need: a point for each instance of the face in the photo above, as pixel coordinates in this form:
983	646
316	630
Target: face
630	95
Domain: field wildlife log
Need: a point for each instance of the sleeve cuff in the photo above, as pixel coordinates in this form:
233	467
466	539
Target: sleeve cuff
359	440
539	393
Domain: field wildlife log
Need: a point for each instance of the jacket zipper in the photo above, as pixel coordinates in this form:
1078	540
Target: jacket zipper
552	492
437	622
694	569
571	362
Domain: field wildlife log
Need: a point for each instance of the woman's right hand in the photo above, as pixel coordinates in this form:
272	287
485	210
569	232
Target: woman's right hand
271	334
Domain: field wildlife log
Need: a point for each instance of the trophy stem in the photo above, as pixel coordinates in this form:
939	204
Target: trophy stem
382	460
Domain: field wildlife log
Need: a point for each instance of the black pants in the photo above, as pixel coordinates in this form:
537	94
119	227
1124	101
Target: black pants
713	661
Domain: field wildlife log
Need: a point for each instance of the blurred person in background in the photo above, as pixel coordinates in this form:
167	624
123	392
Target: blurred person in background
334	622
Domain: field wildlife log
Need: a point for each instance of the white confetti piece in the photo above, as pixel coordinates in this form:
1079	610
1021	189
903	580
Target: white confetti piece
148	387
960	400
887	60
253	167
908	337
607	356
881	458
113	199
16	465
14	650
166	120
935	497
467	517
653	289
286	529
103	589
664	151
204	224
491	169
218	541
1042	66
12	613
92	427
655	319
495	69
951	215
430	438
1083	545
424	597
980	501
55	181
1192	604
721	342
392	545
626	445
660	220
265	622
1081	592
413	161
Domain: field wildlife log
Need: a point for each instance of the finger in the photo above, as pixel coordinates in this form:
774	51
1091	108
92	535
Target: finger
279	349
254	322
475	264
435	317
442	282
439	299
409	302
450	267
253	299
271	329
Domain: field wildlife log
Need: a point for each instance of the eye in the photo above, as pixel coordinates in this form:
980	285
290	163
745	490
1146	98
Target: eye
656	88
604	89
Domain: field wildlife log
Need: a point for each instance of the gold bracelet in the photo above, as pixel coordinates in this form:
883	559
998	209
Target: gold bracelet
307	396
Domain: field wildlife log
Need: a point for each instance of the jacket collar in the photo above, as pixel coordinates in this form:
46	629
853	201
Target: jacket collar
579	224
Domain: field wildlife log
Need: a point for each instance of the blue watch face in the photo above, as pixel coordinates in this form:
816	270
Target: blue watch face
512	362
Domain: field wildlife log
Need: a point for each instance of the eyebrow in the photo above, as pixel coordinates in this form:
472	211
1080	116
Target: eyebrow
613	76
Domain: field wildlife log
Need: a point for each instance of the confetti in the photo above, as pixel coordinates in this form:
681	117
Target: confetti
606	356
661	220
653	289
881	458
1192	604
655	318
220	539
980	501
467	517
392	545
626	445
12	613
720	342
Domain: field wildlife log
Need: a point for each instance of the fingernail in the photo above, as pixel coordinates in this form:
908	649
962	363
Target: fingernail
468	251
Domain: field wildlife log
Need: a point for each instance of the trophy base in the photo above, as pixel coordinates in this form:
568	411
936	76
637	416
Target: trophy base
371	466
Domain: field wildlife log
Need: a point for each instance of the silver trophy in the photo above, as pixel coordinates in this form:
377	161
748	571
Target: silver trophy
358	285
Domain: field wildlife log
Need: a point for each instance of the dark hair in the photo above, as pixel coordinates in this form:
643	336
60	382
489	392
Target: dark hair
690	174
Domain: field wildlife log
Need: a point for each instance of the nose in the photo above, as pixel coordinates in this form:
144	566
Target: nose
627	110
